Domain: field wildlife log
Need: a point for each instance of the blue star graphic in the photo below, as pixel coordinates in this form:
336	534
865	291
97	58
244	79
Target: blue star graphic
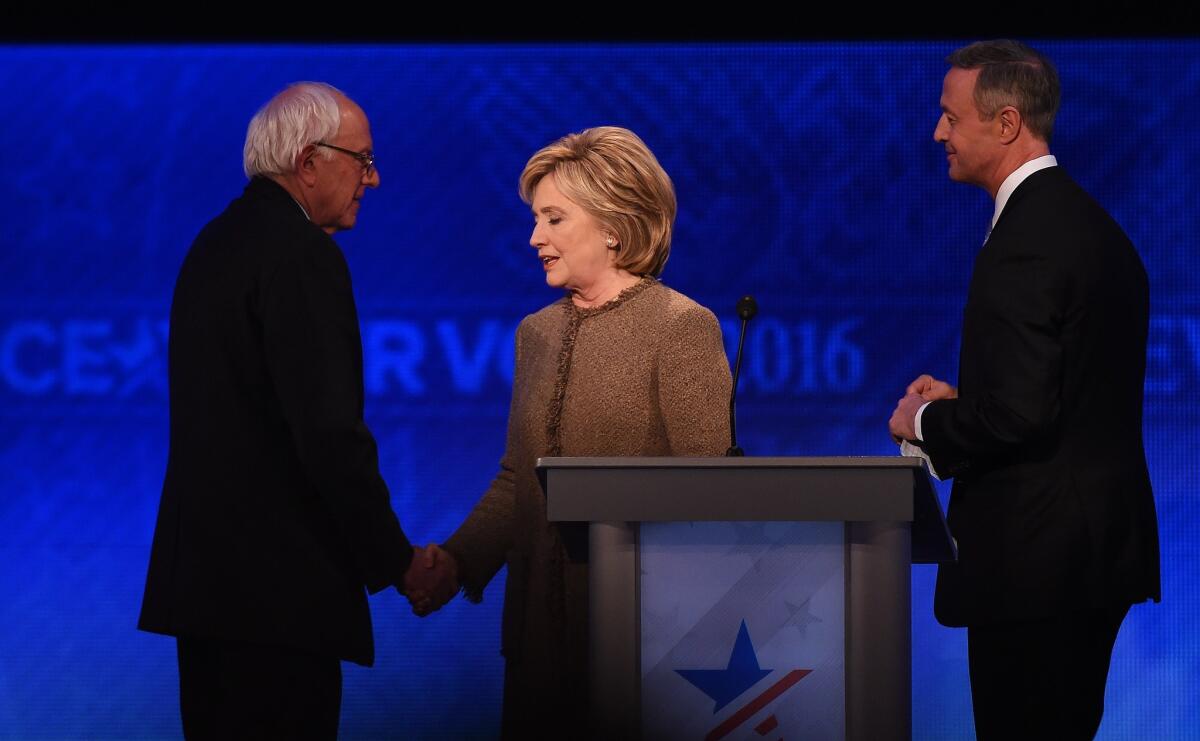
725	685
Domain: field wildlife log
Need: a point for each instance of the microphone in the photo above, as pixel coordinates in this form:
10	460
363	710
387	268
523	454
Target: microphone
747	307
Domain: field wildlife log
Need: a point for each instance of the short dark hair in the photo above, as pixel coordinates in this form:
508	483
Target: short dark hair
1011	73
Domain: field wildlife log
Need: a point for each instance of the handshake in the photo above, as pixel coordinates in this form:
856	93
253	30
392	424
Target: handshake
431	580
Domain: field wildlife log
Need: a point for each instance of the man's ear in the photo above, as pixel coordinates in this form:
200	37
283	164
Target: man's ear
1010	124
306	165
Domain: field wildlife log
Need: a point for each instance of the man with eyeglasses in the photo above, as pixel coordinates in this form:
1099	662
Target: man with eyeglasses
274	521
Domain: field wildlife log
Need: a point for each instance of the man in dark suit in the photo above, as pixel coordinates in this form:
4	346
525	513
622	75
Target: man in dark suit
1051	506
274	517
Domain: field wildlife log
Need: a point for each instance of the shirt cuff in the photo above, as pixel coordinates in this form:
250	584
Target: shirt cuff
917	421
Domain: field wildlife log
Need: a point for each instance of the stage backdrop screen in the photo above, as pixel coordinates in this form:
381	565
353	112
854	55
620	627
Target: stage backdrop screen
806	175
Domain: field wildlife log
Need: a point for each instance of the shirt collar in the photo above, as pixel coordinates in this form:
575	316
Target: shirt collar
1016	178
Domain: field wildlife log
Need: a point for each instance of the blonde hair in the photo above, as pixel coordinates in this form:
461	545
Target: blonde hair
613	175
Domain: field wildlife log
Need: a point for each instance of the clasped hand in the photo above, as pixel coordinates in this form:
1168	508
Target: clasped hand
924	389
431	580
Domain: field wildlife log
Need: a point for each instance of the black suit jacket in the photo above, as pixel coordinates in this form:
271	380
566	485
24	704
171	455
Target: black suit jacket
273	516
1051	505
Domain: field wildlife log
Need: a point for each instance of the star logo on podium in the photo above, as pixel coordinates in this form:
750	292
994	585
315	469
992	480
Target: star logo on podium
725	685
740	674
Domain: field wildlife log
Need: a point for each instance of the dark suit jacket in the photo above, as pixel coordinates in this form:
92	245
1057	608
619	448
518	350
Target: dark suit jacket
273	516
1051	505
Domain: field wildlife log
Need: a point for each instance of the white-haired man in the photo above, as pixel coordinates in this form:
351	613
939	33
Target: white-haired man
274	521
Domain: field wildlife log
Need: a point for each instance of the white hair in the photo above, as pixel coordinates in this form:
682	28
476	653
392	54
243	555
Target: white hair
303	113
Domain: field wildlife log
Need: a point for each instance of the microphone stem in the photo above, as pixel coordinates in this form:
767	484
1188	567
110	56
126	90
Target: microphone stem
734	450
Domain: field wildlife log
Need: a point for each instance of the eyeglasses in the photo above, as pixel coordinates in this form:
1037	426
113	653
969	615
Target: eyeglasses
366	160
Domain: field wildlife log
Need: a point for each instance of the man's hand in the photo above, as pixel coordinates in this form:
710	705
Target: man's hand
926	388
931	389
903	422
431	580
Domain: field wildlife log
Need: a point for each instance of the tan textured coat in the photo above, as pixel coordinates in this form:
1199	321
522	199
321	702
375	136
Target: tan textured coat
643	375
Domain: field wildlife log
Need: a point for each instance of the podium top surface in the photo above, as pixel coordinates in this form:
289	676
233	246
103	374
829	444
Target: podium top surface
845	461
664	489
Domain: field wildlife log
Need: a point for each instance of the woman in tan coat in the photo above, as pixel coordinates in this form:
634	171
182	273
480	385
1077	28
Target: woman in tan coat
620	366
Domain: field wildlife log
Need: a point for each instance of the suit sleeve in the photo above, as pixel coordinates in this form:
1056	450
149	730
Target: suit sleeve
1014	324
313	351
693	385
481	544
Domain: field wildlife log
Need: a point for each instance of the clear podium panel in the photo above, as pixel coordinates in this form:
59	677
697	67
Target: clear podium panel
743	630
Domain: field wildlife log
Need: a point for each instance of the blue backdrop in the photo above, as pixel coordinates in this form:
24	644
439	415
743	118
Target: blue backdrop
806	174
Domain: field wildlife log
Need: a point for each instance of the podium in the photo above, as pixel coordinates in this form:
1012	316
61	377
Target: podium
750	597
